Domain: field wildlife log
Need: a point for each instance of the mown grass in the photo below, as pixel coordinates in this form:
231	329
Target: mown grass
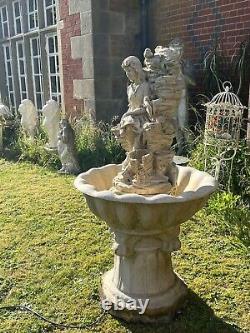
53	252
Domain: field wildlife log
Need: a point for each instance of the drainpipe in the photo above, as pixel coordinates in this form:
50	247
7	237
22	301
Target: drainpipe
144	24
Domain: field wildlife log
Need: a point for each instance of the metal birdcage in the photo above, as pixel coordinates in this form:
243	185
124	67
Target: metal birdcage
222	130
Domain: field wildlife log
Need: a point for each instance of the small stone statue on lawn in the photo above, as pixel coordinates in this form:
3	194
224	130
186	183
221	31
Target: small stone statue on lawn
5	113
51	112
29	120
66	149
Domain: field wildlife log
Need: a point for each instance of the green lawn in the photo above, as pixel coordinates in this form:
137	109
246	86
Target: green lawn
53	252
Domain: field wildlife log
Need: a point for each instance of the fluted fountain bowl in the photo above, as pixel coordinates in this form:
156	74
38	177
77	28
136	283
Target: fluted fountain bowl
146	230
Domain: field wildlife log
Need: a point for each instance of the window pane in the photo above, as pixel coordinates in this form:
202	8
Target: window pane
52	66
51	45
7	53
56	43
17	9
12	99
4	13
58	84
9	72
37	84
48	3
18	26
39	101
34	47
50	16
32	21
24	95
53	84
21	64
23	84
5	30
31	5
36	66
10	84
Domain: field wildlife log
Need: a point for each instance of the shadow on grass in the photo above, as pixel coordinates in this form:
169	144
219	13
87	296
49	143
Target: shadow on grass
196	317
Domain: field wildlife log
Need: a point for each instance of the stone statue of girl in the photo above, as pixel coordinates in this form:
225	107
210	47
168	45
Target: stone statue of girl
136	116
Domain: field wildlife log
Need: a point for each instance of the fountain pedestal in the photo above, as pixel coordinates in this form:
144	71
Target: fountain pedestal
143	271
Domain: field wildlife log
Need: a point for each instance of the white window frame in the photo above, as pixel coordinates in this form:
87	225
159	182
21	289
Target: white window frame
53	8
9	76
23	93
5	22
33	13
54	95
33	57
15	18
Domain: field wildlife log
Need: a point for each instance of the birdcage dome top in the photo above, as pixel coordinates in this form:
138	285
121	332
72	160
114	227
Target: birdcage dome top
226	98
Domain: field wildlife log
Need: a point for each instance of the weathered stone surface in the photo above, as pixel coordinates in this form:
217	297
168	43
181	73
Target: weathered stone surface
5	113
79	6
102	68
84	88
29	118
108	108
66	149
88	67
78	89
103	88
101	43
51	113
77	47
109	22
81	46
86	23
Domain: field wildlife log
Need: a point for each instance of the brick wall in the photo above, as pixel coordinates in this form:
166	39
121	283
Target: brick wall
72	68
199	22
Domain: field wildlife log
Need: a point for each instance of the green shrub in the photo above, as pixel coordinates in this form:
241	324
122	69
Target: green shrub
231	214
235	180
96	144
34	150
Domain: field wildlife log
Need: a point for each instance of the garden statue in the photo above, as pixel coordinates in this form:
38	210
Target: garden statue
147	129
5	120
5	113
145	200
66	148
29	118
51	112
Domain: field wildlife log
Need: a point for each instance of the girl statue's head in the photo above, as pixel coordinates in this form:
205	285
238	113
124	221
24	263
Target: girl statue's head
133	68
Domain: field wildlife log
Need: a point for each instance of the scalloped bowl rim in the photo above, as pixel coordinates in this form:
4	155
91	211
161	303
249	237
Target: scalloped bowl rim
90	190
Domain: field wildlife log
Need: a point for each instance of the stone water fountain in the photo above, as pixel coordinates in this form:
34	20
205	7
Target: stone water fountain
146	198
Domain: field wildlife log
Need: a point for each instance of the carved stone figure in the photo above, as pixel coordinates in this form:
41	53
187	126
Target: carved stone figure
5	113
51	112
147	129
29	118
66	149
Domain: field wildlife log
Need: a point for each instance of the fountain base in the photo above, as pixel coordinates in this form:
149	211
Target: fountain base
162	307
